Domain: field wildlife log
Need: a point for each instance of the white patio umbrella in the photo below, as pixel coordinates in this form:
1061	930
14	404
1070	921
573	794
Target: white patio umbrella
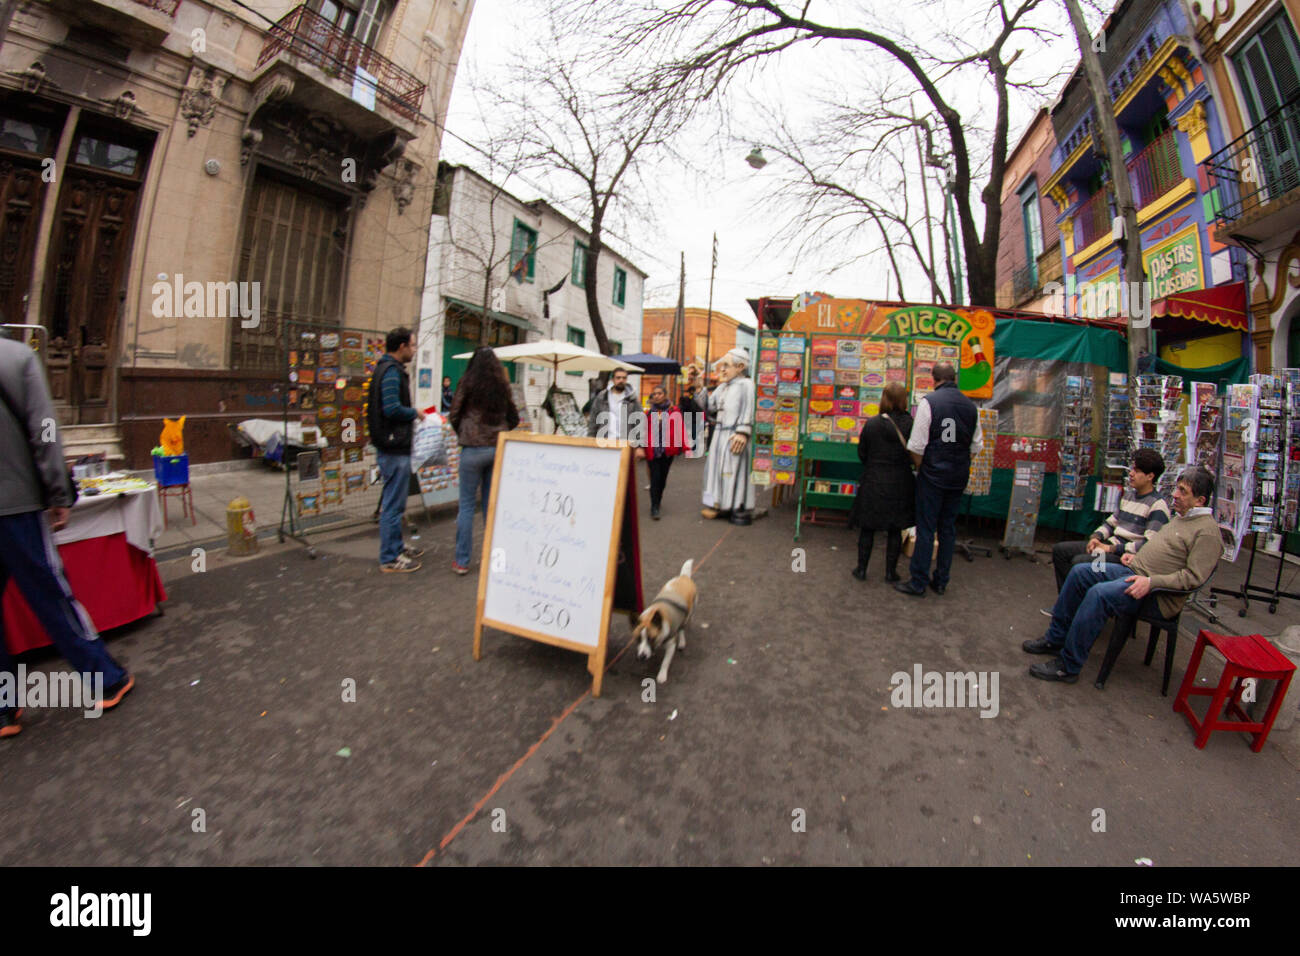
559	355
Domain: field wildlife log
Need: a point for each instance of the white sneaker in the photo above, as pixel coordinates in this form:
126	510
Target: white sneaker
403	565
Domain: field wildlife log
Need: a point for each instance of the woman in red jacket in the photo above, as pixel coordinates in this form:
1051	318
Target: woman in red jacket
665	439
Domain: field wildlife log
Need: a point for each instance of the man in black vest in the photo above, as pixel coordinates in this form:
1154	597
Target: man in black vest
392	425
945	437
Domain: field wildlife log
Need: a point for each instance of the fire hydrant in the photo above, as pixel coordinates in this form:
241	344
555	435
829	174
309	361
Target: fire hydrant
241	527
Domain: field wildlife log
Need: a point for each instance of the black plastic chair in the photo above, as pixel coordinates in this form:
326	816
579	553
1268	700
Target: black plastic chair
1125	629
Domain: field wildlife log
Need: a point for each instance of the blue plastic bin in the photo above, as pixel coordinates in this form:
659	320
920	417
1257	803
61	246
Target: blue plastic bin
171	470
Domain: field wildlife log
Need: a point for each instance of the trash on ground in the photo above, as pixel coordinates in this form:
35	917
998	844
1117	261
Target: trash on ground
343	752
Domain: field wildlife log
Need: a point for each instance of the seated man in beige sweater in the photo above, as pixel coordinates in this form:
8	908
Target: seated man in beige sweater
1178	558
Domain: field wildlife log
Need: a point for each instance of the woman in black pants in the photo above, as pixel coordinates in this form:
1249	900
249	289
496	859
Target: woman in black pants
886	499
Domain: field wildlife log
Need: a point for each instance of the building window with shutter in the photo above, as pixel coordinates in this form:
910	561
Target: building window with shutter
620	287
579	274
577	337
523	252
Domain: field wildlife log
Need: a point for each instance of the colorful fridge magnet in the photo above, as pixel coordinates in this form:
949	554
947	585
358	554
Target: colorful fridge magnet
351	340
306	376
326	376
330	357
790	389
331	455
329	340
767	378
791	360
821	406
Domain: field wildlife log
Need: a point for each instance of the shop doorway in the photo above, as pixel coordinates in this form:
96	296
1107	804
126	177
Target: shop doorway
86	269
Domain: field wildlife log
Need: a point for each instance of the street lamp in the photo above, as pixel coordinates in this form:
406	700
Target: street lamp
756	158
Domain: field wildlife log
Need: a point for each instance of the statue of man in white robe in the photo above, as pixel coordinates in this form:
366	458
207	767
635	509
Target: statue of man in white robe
728	491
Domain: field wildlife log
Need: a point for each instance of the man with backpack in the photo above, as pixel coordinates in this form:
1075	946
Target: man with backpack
392	424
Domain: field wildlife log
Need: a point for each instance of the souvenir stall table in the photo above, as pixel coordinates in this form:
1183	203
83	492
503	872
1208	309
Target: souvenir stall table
107	554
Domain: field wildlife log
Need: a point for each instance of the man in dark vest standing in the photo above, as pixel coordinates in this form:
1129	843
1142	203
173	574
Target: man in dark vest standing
391	419
945	437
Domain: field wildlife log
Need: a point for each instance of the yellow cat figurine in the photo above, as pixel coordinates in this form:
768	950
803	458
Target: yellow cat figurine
171	436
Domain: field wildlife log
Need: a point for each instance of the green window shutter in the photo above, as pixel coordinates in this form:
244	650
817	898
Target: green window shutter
620	286
1268	68
579	265
577	337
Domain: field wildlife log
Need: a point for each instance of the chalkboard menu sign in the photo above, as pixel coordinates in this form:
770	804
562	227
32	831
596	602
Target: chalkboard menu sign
552	545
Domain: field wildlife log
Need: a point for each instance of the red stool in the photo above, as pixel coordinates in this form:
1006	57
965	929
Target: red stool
187	501
1249	656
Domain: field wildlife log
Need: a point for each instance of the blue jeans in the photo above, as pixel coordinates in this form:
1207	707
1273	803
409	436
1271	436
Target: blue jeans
29	557
936	510
396	470
475	470
1087	600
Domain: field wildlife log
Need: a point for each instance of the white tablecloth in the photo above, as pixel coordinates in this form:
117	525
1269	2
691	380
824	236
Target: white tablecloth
134	512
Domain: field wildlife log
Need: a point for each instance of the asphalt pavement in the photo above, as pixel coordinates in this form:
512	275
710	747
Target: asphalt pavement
777	739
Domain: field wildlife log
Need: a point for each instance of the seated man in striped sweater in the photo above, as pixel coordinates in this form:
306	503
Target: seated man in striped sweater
1180	558
1142	512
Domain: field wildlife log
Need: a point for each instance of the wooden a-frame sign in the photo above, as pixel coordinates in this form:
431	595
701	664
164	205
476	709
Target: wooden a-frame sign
534	502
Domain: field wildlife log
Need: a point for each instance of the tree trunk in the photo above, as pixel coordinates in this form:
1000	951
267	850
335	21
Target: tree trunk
593	295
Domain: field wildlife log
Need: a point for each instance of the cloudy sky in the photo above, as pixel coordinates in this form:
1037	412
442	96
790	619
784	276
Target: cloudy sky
723	194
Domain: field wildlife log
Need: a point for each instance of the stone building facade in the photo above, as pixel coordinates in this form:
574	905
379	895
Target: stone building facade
183	180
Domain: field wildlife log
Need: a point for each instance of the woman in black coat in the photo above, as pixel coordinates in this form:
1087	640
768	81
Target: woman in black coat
886	499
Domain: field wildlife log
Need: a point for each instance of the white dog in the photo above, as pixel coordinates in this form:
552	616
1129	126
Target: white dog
665	620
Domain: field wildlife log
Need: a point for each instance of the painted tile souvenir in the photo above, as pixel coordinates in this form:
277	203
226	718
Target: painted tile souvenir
949	352
821	392
925	352
847	392
332	496
308	504
354	481
791	375
764	415
787	418
767	355
823	361
329	340
895	361
764	428
793	389
307	359
783	477
307	399
324	395
326	412
331	455
849	347
354	393
822	376
767	378
785	448
846	408
306	376
327	375
896	349
762	464
767	366
874	379
821	406
819	426
847	377
330	474
923	383
869	409
823	346
329	357
784	434
761	479
791	343
768	342
330	429
787	403
791	360
845	424
352	359
896	375
875	350
848	361
766	404
351	455
354	412
784	462
351	340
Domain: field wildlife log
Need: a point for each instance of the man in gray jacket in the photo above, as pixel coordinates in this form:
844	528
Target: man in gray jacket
34	479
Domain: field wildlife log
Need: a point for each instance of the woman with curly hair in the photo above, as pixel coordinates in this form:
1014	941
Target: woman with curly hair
482	408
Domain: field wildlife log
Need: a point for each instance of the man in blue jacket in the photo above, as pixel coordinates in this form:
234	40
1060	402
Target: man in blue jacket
392	425
946	435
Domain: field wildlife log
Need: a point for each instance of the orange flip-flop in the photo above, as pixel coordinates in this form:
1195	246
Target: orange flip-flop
116	699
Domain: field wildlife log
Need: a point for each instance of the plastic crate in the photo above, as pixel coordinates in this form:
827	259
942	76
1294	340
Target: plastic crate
171	470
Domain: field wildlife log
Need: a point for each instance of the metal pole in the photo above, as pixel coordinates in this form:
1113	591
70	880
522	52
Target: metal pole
708	326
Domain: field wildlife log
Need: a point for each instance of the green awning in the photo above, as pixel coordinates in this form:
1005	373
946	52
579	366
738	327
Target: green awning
495	316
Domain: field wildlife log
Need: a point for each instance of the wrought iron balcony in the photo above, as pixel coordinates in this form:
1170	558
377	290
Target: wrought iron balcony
1156	170
306	34
1093	219
1258	167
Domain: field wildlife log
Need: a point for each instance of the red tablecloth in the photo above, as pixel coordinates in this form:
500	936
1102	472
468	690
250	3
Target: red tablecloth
115	582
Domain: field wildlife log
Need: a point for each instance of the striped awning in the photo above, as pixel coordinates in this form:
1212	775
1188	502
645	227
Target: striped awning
1223	305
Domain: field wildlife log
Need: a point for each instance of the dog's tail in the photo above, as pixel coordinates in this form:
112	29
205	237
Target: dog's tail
687	568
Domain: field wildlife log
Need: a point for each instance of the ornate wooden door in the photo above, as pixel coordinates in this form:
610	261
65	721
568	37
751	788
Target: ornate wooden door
85	291
21	187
